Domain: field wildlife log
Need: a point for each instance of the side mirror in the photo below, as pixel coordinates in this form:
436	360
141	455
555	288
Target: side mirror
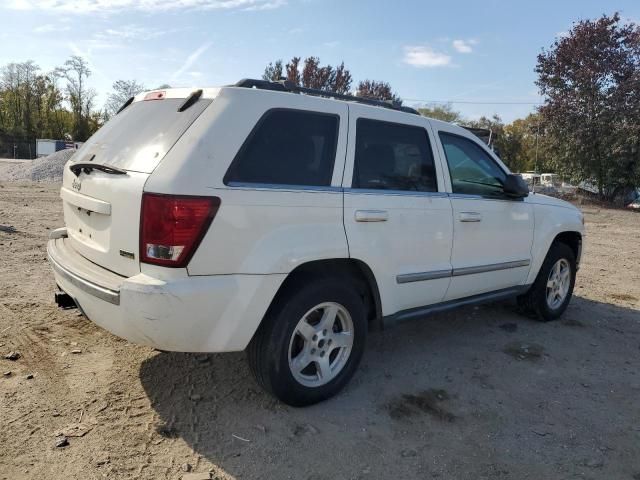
515	186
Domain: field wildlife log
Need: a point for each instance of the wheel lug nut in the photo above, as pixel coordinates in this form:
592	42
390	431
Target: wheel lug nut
329	342
315	337
322	353
313	350
324	332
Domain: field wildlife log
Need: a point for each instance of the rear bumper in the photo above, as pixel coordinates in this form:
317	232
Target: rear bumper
215	313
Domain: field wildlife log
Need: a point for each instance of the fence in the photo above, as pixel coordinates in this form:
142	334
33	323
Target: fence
17	147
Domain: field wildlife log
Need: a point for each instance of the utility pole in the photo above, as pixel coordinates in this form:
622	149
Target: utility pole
537	136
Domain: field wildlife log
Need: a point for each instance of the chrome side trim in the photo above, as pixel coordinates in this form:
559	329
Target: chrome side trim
456	272
489	268
409	193
468	196
58	233
106	294
419	277
278	186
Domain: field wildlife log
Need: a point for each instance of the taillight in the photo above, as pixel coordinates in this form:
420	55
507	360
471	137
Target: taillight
172	226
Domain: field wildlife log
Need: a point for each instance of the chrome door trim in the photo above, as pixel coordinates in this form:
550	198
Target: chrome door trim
380	191
421	276
285	187
489	268
457	272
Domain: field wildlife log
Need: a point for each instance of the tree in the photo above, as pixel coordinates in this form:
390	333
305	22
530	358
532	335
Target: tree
311	75
445	112
123	90
76	71
377	90
591	83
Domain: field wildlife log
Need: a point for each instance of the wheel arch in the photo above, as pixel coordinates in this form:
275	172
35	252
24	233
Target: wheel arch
573	240
357	270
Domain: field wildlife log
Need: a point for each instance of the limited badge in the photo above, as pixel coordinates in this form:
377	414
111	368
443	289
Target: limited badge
126	254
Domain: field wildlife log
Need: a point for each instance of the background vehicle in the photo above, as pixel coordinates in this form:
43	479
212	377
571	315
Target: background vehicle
270	218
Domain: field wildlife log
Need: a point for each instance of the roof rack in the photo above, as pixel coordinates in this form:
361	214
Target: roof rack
289	86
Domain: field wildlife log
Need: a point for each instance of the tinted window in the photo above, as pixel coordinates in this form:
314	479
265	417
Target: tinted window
390	156
288	147
472	170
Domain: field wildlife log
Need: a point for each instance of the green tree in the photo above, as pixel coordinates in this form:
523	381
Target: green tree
591	83
444	112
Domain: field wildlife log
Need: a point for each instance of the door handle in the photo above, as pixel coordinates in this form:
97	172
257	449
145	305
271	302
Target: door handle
371	215
469	217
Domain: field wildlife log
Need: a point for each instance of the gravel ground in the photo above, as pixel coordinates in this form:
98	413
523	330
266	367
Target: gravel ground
480	393
45	169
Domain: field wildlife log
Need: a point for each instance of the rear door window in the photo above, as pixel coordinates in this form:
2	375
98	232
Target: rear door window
140	136
288	147
392	156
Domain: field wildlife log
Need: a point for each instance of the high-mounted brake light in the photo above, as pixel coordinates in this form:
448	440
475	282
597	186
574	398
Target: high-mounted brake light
172	226
155	95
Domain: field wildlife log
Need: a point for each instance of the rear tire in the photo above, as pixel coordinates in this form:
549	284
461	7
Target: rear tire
550	294
310	342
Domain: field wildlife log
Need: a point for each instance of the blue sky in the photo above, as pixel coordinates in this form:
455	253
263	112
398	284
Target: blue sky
459	51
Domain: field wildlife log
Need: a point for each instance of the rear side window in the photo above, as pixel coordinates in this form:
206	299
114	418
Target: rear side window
288	147
391	156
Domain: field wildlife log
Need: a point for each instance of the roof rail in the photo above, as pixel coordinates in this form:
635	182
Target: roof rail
289	86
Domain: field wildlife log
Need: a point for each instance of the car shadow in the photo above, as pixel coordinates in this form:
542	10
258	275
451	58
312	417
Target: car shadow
454	395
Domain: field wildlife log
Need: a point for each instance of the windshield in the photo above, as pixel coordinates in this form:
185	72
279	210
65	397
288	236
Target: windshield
139	137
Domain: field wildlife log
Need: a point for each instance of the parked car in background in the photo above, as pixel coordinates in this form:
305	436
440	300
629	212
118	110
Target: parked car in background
273	219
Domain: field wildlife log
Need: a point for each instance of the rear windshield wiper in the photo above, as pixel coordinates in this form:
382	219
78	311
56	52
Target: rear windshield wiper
76	168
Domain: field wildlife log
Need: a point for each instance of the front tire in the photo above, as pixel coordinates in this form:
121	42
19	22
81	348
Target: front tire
552	290
310	342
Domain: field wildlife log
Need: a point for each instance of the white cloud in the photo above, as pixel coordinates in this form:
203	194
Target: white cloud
129	32
110	6
464	46
191	59
424	56
50	27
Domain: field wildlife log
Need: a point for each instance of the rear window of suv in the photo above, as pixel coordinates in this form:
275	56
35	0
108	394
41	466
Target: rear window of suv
139	137
288	147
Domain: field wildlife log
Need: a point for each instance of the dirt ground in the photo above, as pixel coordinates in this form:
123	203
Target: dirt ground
478	393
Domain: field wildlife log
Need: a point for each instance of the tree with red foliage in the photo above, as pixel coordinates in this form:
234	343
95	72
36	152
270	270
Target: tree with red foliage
591	82
312	75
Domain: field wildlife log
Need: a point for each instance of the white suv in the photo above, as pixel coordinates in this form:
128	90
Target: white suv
288	221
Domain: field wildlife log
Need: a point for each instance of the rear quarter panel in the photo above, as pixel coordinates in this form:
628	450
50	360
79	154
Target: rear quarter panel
257	230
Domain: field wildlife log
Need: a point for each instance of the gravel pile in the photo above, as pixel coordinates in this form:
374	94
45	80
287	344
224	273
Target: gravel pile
45	169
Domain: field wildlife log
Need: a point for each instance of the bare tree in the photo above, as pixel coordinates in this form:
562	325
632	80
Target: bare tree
123	90
76	71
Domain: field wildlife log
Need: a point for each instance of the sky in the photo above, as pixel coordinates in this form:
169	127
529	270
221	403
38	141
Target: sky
478	55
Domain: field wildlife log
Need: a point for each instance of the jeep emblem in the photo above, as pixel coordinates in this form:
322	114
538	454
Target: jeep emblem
76	184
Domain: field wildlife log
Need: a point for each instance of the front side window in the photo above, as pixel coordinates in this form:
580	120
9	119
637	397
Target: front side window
391	156
472	170
288	147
